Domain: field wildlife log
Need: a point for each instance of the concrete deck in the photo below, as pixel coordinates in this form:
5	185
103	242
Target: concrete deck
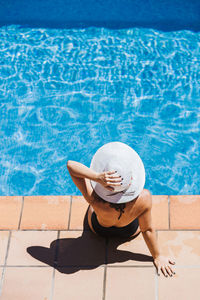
48	253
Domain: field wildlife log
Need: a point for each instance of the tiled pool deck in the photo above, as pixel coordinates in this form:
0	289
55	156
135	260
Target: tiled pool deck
46	254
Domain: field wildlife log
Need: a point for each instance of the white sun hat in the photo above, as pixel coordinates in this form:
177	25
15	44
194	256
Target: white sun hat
117	156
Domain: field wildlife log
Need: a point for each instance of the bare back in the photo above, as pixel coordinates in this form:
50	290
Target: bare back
109	216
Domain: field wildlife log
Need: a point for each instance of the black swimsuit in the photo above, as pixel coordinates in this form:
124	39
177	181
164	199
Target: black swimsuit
114	231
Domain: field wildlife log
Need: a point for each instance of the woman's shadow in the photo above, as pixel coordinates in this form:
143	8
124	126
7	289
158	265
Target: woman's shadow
69	255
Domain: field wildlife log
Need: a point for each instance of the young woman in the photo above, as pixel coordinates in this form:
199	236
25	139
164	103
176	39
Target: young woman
119	205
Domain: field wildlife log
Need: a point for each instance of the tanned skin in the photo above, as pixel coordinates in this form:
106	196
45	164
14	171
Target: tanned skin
138	208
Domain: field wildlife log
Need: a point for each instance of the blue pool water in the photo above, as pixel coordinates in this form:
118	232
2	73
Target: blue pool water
66	92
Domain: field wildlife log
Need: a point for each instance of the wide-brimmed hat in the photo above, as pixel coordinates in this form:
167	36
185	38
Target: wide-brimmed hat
117	156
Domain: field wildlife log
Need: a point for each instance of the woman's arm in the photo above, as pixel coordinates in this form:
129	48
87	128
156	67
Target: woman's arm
79	170
81	176
107	179
83	184
161	262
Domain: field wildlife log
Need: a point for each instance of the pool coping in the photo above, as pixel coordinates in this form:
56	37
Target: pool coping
67	212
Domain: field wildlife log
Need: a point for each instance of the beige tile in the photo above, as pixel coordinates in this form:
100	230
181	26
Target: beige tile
185	212
128	253
32	248
45	212
184	285
27	283
130	283
78	211
81	249
1	271
4	235
10	208
84	284
183	246
160	212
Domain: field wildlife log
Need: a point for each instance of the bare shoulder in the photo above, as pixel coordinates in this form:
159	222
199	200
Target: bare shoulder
144	217
144	200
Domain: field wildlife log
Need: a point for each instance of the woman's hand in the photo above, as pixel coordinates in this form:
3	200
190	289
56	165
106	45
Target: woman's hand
162	263
108	178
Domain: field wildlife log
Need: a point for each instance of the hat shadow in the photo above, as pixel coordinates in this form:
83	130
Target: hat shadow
87	252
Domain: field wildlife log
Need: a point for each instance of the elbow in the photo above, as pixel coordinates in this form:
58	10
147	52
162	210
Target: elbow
147	230
69	163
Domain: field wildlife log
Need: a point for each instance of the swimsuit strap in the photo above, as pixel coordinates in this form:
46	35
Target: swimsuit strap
119	207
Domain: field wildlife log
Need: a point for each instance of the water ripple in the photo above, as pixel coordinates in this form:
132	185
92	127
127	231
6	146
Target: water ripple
64	93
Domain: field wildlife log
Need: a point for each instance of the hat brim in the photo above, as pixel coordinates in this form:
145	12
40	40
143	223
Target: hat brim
118	197
138	173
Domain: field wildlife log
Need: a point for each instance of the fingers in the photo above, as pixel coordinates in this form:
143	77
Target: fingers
112	178
166	270
158	271
110	172
109	188
171	271
116	179
113	184
162	264
171	261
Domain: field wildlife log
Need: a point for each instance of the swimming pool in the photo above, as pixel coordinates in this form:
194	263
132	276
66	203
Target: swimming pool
66	92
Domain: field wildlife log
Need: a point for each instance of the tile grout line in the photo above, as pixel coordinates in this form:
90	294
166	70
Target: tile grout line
129	266
178	229
156	285
57	249
55	264
80	230
20	217
169	212
104	282
5	262
102	266
27	266
70	209
52	284
105	269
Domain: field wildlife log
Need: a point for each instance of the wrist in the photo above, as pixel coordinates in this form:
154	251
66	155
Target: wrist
95	176
156	256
